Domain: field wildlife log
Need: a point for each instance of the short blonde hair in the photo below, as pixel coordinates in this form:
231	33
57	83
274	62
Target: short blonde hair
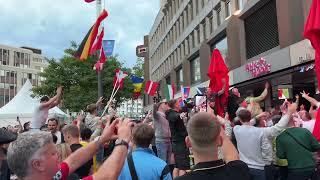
203	130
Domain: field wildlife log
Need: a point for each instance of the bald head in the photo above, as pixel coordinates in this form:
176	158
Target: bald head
203	131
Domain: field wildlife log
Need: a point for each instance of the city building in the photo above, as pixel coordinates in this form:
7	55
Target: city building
131	108
16	66
258	33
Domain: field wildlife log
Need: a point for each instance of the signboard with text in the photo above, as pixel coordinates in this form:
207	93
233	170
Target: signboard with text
108	46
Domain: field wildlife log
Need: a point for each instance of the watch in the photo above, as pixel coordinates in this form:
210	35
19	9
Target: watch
121	142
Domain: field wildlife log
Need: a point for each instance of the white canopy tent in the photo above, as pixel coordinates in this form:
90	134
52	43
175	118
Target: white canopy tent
23	106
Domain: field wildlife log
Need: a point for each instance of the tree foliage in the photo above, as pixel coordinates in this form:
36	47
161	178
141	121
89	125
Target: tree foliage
80	80
138	68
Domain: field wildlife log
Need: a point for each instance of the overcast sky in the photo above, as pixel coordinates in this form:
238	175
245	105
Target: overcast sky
50	25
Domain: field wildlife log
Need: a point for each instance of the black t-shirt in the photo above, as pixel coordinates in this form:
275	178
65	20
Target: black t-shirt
177	128
217	170
84	170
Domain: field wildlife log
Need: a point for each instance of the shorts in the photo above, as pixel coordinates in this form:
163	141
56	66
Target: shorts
181	155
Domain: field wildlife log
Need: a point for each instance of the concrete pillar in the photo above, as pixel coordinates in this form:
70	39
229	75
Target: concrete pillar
189	12
174	32
185	19
201	32
204	54
186	73
199	5
194	8
190	42
208	24
178	28
195	38
174	10
182	51
223	11
186	49
181	25
214	20
170	13
178	54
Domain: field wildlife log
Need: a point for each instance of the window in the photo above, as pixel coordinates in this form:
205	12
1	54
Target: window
195	70
29	76
228	8
261	30
222	45
4	58
168	80
218	13
179	75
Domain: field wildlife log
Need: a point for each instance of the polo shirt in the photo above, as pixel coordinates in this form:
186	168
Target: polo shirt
218	170
147	165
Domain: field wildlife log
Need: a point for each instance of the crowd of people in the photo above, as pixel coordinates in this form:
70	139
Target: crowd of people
249	143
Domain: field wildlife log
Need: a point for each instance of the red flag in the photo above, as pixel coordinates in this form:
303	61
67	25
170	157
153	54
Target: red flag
151	88
119	78
101	61
98	43
89	1
217	71
312	32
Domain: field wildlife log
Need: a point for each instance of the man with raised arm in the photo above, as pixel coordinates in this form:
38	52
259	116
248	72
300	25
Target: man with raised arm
34	155
41	112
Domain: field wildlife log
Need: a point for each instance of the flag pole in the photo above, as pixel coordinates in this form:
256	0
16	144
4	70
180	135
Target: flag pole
99	73
109	102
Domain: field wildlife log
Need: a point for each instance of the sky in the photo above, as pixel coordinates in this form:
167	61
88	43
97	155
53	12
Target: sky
51	25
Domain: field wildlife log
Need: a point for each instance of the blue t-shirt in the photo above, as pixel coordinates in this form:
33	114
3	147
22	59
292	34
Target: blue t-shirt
147	165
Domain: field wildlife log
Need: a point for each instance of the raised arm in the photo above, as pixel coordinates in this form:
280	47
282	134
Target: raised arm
230	153
84	154
263	94
53	101
283	123
111	168
310	99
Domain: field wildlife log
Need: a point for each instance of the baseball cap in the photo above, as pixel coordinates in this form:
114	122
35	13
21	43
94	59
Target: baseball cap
7	136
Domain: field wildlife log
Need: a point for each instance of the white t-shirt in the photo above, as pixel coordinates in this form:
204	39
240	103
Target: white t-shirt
309	125
39	117
58	134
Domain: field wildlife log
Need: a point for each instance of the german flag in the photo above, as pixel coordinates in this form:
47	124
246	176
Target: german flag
86	44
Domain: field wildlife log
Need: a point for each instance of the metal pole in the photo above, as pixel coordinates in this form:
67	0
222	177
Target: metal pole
99	74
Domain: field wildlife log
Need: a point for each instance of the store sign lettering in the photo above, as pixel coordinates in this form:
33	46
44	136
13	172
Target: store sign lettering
258	67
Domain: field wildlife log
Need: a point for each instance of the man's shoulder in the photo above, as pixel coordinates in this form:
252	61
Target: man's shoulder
238	168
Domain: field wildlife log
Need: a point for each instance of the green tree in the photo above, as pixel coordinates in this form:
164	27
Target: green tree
80	80
138	68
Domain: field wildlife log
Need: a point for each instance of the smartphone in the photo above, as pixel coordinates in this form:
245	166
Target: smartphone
200	100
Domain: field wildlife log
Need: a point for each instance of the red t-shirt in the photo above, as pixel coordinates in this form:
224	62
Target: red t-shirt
63	173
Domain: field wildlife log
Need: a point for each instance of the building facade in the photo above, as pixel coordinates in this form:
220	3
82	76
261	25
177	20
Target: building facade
185	32
16	66
131	108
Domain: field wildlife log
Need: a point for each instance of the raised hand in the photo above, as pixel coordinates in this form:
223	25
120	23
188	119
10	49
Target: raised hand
125	130
267	85
304	94
109	132
292	108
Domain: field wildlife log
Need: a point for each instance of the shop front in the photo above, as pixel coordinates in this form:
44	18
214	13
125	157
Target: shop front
289	71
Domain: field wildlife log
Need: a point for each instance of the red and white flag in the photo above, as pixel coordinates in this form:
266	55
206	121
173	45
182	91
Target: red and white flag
102	59
97	45
151	88
119	78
